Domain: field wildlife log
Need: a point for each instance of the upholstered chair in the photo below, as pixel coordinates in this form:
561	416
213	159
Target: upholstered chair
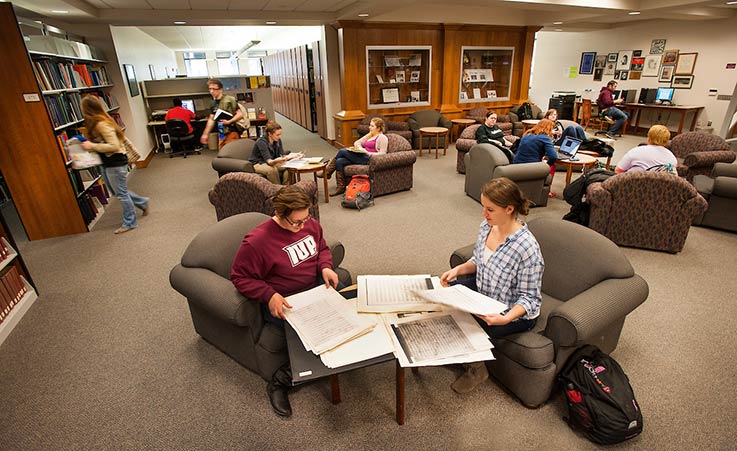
646	209
588	289
486	161
400	128
720	191
468	140
537	113
220	314
240	192
427	118
698	152
478	114
233	157
390	172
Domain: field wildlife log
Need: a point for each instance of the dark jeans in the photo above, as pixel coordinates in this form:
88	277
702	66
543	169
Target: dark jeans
619	116
519	325
345	158
574	131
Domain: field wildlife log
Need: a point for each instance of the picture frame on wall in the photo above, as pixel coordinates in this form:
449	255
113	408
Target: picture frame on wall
636	53
624	75
670	57
682	81
686	63
651	67
130	75
152	71
635	75
617	74
598	74
600	62
637	63
611	57
624	57
657	46
609	69
666	74
587	63
390	95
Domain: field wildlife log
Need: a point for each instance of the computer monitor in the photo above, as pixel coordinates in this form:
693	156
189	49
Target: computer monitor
615	94
189	104
665	94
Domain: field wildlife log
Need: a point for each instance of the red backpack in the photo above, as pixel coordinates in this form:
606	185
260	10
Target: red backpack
358	193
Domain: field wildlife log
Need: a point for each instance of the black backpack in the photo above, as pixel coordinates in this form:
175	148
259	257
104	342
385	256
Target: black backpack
601	403
525	111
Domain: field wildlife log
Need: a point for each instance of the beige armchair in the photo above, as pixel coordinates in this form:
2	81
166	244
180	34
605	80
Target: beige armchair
486	161
651	210
588	290
698	152
720	191
390	172
241	192
233	157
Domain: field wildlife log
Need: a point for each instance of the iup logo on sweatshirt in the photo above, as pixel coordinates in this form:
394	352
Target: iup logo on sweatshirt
302	250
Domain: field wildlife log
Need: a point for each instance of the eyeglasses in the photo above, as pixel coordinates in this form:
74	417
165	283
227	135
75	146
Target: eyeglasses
297	223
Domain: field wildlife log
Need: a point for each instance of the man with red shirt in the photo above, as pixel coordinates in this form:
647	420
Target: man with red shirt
284	255
178	112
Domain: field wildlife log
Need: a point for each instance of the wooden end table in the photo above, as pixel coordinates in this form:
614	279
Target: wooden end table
435	131
529	123
459	125
314	169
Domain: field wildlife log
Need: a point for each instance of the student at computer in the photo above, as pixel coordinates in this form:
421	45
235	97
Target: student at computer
608	107
181	113
653	156
574	130
508	266
266	271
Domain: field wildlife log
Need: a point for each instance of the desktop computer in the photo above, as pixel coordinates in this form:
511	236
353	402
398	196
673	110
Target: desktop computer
629	95
647	95
664	96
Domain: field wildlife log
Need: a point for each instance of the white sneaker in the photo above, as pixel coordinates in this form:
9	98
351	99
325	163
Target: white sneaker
609	120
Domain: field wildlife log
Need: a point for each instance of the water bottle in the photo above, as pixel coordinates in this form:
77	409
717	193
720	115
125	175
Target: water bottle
221	131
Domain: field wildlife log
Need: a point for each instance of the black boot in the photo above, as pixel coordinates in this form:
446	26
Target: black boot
278	390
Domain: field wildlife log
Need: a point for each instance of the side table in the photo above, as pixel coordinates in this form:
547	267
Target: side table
435	131
459	125
314	169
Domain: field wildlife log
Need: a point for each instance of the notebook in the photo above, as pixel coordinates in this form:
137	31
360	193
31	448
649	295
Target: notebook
569	147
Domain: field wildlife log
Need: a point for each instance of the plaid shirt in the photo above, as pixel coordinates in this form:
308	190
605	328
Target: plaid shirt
513	274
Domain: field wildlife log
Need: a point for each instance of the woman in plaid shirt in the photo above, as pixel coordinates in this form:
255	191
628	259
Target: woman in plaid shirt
509	267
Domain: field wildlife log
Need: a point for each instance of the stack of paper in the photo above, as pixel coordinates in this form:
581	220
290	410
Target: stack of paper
373	344
463	298
385	294
323	320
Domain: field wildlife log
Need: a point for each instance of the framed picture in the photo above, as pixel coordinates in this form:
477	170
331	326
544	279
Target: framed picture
400	76
635	75
130	75
623	60
587	63
670	57
637	63
611	57
600	62
624	75
657	46
682	81
609	69
414	76
666	74
491	93
390	95
651	67
598	74
636	53
686	63
617	74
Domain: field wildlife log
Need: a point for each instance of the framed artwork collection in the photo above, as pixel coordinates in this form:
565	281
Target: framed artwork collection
686	63
623	59
657	46
600	62
611	57
670	57
130	75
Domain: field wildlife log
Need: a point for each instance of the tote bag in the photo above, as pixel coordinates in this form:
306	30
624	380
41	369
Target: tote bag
131	152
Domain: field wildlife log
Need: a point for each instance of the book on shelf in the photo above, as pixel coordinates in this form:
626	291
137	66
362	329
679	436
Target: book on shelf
253	82
391	61
379	78
476	93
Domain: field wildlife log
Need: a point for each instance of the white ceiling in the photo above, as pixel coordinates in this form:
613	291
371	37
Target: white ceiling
208	21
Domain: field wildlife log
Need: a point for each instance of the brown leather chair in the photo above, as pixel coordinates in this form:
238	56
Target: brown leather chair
427	118
390	172
233	157
400	128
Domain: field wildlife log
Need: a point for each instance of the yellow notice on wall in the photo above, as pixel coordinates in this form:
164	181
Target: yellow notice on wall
572	72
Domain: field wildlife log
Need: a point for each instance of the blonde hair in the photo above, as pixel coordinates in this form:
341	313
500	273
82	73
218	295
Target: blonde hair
289	199
658	135
504	192
544	127
379	123
94	112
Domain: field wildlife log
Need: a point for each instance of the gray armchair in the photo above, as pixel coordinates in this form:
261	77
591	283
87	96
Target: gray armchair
468	140
427	118
485	162
537	113
233	157
220	314
720	191
587	289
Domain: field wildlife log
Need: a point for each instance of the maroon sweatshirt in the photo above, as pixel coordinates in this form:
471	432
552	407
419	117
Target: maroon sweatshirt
605	99
272	260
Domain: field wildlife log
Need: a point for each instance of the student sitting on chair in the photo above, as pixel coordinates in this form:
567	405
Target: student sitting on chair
574	131
653	156
268	156
608	107
179	112
490	133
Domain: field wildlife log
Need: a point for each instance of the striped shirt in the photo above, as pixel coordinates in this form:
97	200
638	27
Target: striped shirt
513	273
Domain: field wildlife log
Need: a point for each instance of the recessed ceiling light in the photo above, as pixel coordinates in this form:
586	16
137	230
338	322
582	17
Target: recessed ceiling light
60	11
179	22
633	13
732	3
557	23
363	15
558	29
270	22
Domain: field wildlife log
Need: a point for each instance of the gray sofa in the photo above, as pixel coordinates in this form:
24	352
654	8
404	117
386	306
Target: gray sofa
220	314
588	290
485	162
233	157
720	191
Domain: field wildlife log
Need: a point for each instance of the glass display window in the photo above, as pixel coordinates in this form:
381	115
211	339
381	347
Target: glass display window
486	74
398	76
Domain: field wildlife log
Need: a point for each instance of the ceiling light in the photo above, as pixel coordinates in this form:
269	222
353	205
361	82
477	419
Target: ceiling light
731	3
557	23
633	13
363	15
243	49
179	22
558	29
60	11
270	22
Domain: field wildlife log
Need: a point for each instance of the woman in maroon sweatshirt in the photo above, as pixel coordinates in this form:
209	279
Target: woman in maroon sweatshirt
284	255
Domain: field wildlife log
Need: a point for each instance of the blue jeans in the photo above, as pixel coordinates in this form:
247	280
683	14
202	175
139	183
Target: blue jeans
619	116
345	157
519	325
574	131
117	182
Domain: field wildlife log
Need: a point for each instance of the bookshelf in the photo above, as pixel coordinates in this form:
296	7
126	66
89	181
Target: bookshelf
398	76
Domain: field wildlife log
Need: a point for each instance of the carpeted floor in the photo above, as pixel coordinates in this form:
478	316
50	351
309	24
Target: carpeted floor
108	359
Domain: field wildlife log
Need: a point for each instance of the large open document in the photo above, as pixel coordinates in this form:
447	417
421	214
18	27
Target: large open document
463	298
438	338
324	320
385	294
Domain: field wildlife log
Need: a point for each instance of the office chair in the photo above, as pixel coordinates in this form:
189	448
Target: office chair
182	142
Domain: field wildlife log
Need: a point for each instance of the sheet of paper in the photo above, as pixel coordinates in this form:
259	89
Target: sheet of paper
381	294
373	344
295	163
463	298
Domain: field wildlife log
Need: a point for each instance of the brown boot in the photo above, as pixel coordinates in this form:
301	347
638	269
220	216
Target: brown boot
329	169
339	184
475	374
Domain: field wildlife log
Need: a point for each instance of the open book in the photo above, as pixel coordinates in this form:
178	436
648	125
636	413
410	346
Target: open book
357	150
222	115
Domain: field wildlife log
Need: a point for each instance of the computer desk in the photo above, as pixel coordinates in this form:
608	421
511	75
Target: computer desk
636	110
159	127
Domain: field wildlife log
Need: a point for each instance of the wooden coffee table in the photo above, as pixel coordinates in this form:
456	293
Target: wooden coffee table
314	169
582	160
459	125
435	131
529	123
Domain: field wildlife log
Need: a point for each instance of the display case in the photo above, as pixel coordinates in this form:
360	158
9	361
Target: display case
486	74
398	76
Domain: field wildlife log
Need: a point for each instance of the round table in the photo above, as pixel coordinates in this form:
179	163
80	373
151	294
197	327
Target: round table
460	124
435	131
529	123
581	160
314	169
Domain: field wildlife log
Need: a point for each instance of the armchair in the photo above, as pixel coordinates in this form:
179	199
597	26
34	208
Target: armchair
240	192
698	152
478	114
392	127
651	210
720	191
587	289
390	172
427	118
220	314
468	140
233	157
485	162
537	113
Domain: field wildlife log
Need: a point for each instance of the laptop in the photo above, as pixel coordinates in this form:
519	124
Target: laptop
569	147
